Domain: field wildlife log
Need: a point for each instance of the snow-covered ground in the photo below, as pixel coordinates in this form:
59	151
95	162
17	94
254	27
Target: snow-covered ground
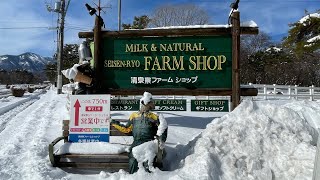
258	140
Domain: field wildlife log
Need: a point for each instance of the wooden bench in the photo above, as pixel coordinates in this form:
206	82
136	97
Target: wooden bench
106	161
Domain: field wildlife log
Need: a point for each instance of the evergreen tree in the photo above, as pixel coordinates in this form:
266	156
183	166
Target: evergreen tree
304	35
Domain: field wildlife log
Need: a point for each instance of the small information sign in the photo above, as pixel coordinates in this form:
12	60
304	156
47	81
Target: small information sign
160	105
170	104
90	118
210	105
125	105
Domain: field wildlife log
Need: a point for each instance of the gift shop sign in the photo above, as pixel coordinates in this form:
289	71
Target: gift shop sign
90	118
210	105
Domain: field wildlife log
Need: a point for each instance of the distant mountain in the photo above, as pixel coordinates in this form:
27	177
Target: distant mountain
27	61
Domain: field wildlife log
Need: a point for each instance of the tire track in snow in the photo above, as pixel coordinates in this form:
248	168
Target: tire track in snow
6	117
26	151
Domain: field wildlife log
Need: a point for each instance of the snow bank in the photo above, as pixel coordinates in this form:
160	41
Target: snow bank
92	148
255	141
146	152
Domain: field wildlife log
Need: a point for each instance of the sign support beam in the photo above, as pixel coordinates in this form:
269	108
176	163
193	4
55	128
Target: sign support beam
235	97
171	32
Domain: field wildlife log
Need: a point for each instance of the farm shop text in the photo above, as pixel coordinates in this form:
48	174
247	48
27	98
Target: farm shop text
171	63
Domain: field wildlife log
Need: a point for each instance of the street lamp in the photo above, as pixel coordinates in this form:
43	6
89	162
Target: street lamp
91	10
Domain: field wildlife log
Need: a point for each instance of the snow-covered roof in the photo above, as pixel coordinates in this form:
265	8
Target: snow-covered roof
250	23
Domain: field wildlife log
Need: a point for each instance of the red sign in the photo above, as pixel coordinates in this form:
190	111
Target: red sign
94	108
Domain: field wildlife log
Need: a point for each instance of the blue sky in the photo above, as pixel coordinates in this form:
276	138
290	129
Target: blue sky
24	23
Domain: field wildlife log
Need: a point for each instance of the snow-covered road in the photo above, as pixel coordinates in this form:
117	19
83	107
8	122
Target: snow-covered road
24	138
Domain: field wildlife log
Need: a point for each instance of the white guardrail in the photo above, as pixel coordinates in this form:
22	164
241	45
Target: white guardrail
286	92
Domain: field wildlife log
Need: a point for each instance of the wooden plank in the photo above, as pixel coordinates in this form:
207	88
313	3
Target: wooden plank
65	133
172	91
95	156
248	91
94	165
171	32
65	122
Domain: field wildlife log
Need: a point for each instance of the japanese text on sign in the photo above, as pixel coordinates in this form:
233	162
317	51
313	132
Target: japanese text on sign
210	105
160	105
90	118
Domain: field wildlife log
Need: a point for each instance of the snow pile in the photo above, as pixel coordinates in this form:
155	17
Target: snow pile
162	126
250	23
71	72
190	27
253	142
86	148
146	152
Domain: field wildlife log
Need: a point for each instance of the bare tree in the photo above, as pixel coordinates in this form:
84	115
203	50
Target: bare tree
252	61
252	44
179	15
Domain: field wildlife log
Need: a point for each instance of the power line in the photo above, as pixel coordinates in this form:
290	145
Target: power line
254	1
34	27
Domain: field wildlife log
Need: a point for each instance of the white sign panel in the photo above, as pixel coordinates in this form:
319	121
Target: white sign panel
89	118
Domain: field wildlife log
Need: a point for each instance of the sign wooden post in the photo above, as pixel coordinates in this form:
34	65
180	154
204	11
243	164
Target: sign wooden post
235	97
97	50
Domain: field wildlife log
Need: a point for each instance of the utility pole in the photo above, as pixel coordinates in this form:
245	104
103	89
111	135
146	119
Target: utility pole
60	49
60	8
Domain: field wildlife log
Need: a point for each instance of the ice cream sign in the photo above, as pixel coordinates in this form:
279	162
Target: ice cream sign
89	118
